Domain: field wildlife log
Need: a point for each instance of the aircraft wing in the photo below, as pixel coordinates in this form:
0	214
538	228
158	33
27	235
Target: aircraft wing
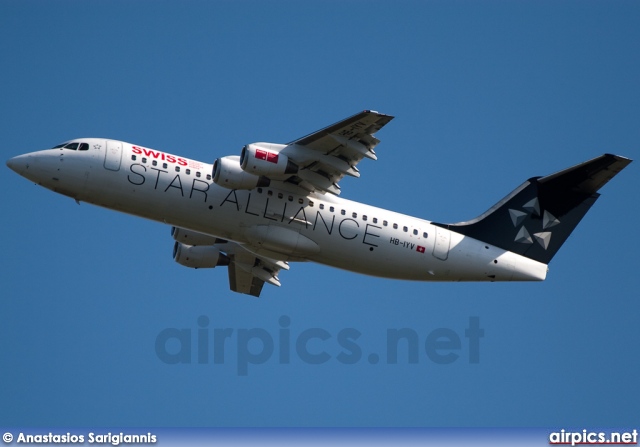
326	156
248	272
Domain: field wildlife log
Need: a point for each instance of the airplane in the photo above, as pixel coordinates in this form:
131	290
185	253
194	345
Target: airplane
275	204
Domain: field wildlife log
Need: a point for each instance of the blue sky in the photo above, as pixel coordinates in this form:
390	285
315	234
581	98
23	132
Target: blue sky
485	94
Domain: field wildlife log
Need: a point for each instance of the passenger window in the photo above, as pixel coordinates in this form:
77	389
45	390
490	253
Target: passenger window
385	223
198	174
259	190
280	195
322	206
425	235
395	226
177	168
310	203
375	220
208	176
415	232
269	193
300	201
164	165
188	171
290	198
332	209
84	147
154	163
343	212
405	229
133	157
144	160
354	215
364	218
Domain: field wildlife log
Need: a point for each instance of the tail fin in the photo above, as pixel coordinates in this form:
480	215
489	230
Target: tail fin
537	217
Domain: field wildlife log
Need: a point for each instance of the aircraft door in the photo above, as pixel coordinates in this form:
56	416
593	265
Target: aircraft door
441	243
113	155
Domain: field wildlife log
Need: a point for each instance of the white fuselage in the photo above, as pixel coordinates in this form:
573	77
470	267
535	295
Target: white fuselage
349	235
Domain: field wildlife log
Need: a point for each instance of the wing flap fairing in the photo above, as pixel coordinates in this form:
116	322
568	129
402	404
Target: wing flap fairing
326	156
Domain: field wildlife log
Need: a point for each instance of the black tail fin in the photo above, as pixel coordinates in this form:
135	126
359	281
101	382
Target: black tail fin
538	216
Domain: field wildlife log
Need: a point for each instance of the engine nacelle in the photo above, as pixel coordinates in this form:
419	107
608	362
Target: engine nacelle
189	237
258	160
204	256
228	174
281	240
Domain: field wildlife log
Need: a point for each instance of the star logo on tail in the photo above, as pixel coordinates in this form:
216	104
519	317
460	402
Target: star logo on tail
532	208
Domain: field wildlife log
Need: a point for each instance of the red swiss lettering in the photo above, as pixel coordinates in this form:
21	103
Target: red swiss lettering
165	157
150	153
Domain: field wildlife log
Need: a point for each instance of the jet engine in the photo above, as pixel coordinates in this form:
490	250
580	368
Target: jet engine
228	174
193	238
258	160
203	256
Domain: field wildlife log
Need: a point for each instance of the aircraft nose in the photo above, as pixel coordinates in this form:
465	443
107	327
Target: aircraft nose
19	164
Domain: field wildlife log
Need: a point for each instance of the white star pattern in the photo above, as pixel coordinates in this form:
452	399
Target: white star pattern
532	207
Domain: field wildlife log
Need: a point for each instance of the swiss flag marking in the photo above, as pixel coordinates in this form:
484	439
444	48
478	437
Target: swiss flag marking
266	155
420	249
260	154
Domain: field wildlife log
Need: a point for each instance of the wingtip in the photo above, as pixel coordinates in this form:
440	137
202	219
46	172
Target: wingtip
383	115
621	158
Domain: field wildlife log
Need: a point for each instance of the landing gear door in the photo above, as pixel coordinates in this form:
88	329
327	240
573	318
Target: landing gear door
442	242
113	155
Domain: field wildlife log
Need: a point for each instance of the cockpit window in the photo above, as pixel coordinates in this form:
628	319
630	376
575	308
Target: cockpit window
74	146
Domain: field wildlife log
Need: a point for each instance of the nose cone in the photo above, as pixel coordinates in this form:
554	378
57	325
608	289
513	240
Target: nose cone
19	164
